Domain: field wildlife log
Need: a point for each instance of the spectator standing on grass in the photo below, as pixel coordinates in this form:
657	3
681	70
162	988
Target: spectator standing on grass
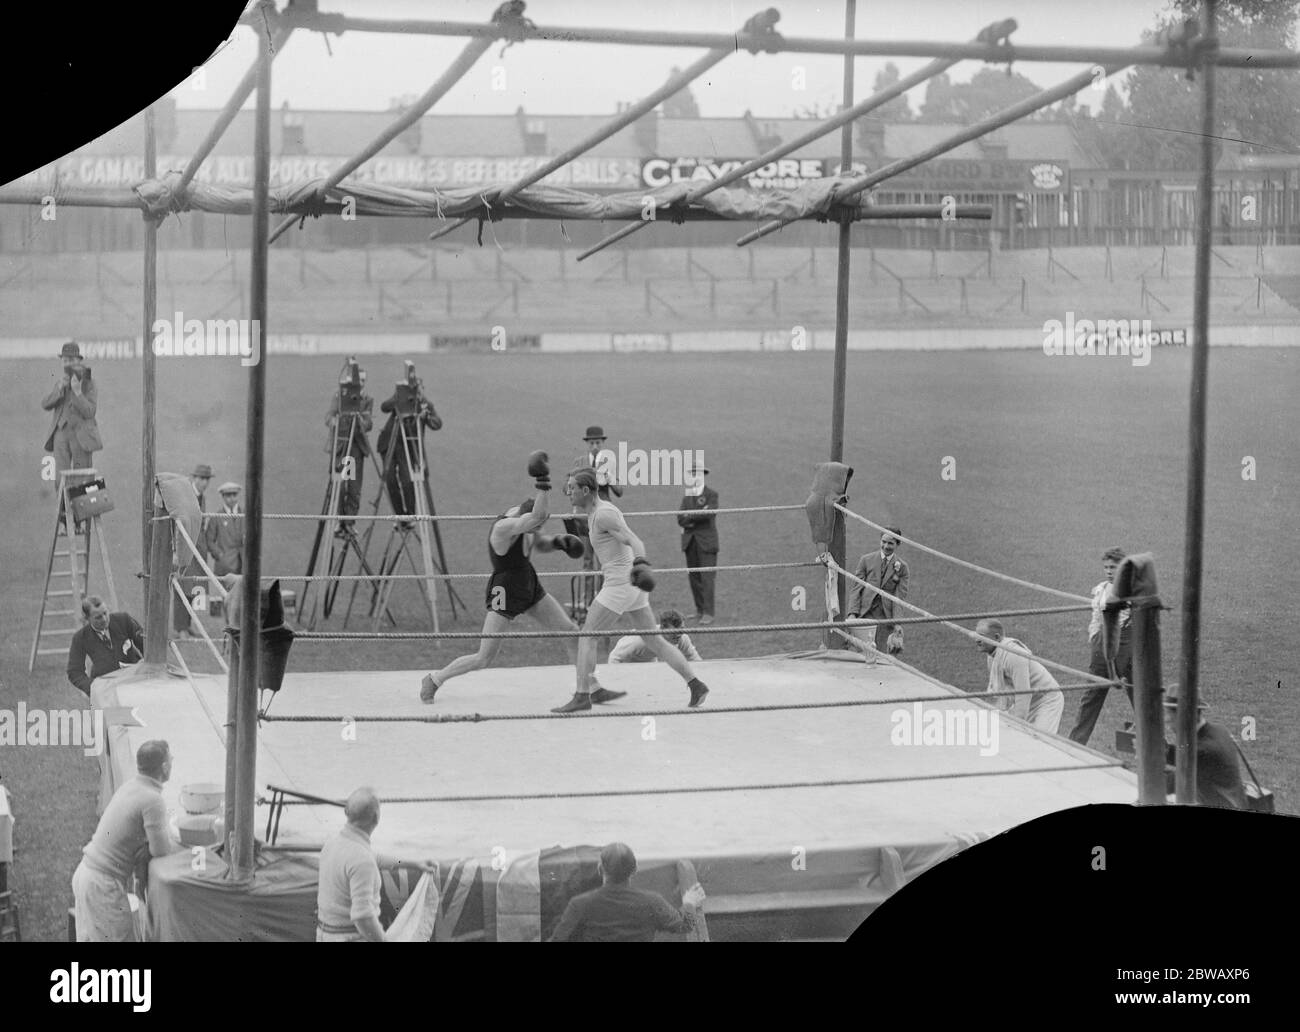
225	533
190	576
132	829
1092	701
700	539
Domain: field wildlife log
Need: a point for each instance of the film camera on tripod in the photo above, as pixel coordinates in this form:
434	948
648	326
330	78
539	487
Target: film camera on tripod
401	442
350	421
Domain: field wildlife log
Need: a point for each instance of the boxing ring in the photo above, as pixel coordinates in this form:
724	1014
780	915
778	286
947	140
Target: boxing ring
789	791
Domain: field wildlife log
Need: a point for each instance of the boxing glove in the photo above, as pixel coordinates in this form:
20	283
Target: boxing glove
539	467
894	643
539	464
642	577
570	544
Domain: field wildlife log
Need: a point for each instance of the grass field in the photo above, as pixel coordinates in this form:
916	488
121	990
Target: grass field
1056	459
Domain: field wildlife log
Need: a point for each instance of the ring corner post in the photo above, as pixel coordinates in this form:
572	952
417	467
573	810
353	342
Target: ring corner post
1189	680
838	542
245	730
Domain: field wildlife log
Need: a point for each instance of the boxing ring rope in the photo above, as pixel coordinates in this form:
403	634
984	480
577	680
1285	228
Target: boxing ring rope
540	573
962	562
496	515
768	787
807	625
835	567
778	707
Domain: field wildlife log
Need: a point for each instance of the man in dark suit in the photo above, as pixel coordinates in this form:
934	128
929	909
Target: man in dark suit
700	539
108	640
74	434
193	572
885	570
225	533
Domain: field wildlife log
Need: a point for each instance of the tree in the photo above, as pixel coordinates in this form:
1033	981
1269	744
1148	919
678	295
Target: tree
898	109
991	90
941	101
1159	127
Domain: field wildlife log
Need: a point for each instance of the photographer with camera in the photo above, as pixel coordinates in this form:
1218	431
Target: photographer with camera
350	420
74	434
409	412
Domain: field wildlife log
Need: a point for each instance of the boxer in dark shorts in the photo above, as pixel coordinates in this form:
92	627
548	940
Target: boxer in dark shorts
514	588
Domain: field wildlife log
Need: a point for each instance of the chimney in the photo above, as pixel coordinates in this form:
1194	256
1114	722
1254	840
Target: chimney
533	132
646	131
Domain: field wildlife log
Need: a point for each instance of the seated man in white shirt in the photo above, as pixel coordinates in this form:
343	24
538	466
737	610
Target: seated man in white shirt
631	648
1018	671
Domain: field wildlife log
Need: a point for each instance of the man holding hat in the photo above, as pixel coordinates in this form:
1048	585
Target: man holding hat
700	538
1218	778
225	533
74	434
190	576
885	570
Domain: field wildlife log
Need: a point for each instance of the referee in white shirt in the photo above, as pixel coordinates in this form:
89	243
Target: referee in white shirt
1092	700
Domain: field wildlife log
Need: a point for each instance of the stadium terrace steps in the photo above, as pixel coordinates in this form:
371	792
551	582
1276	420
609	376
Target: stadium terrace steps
666	289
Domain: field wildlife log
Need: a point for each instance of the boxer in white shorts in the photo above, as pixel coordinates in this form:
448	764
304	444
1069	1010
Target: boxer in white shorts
625	592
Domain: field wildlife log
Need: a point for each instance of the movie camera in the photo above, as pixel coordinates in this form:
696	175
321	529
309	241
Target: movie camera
352	382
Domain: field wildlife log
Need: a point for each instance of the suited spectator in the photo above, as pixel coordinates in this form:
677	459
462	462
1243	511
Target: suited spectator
1218	778
106	642
193	572
606	478
349	439
616	912
74	400
1018	671
700	539
1092	701
225	533
885	570
631	648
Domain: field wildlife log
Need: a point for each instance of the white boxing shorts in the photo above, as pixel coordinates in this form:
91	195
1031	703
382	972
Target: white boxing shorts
622	598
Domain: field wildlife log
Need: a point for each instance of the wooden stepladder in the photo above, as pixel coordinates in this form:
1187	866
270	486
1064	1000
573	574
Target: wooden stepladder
67	573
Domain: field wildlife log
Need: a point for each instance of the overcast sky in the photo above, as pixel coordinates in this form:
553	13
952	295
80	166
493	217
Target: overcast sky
366	71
